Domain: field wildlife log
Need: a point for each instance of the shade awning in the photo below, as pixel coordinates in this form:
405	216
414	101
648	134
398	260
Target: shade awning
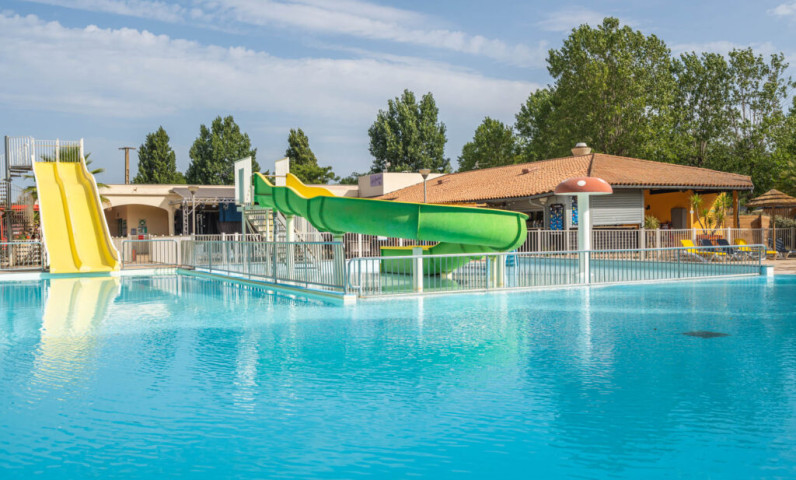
772	199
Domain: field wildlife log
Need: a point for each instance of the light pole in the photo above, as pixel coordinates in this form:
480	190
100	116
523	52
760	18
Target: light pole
193	189
424	173
127	163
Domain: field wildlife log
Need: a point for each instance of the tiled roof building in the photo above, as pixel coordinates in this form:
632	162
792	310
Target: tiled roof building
540	178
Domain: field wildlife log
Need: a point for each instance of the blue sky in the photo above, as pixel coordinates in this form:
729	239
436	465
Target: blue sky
111	71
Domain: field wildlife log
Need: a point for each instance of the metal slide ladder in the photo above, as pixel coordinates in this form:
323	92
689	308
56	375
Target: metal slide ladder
261	222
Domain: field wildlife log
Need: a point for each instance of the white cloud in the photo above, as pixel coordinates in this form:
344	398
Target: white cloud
784	10
129	73
723	47
567	19
352	18
155	10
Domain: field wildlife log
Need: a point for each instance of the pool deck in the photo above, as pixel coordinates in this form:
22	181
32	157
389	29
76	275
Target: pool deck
785	266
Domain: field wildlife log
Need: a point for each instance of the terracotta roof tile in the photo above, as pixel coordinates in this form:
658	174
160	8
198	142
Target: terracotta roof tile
538	178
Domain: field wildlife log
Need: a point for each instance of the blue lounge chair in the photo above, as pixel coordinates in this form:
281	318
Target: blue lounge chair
783	252
733	253
714	252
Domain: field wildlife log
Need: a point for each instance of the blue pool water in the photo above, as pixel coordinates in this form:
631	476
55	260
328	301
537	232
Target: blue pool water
186	377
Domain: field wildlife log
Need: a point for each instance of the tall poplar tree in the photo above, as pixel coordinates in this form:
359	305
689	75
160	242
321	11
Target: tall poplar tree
215	151
303	162
408	136
493	145
157	162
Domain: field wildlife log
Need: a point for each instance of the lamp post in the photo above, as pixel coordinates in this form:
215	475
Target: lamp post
193	189
582	188
424	173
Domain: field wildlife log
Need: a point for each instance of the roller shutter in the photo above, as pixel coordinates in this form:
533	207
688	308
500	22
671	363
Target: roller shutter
620	208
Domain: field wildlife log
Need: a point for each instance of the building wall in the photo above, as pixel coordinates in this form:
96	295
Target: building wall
156	219
378	184
660	205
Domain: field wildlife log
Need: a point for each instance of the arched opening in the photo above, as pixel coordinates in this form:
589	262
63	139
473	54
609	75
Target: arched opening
126	220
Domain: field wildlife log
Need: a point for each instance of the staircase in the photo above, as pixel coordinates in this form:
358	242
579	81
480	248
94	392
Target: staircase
260	224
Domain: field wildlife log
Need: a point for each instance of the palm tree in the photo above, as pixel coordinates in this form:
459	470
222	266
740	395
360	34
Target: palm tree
713	216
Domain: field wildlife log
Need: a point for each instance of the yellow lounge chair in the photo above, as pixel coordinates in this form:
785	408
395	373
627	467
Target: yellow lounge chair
701	253
745	248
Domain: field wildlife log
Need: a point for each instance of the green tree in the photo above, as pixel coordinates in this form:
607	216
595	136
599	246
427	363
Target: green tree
157	162
493	145
759	89
613	89
303	163
536	136
702	110
408	136
785	154
352	179
215	151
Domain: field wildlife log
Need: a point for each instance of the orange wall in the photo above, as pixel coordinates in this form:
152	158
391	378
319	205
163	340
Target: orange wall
660	205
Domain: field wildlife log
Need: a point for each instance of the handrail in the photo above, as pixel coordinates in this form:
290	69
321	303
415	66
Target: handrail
390	275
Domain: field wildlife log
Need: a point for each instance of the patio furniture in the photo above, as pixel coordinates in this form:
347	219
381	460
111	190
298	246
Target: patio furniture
732	252
783	252
699	254
743	247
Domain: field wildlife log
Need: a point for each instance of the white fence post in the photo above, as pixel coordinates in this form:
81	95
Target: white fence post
339	261
417	269
642	241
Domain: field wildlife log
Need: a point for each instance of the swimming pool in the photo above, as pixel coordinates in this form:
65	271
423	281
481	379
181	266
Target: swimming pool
143	377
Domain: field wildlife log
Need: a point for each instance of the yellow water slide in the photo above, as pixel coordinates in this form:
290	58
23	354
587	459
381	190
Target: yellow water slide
73	224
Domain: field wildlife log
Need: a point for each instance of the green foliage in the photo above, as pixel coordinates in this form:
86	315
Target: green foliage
785	154
408	136
710	217
759	88
536	136
701	113
303	163
784	222
215	151
621	92
493	145
613	90
352	179
157	162
651	222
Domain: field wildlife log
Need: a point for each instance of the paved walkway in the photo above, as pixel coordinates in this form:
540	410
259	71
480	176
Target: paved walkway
783	266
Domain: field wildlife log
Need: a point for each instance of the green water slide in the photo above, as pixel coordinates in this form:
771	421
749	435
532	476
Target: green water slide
457	229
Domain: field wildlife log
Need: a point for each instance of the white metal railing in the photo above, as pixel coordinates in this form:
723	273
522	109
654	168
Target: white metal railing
24	151
308	264
621	239
387	275
225	237
22	256
150	252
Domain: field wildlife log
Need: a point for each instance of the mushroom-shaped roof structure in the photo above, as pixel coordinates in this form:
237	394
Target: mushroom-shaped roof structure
587	185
